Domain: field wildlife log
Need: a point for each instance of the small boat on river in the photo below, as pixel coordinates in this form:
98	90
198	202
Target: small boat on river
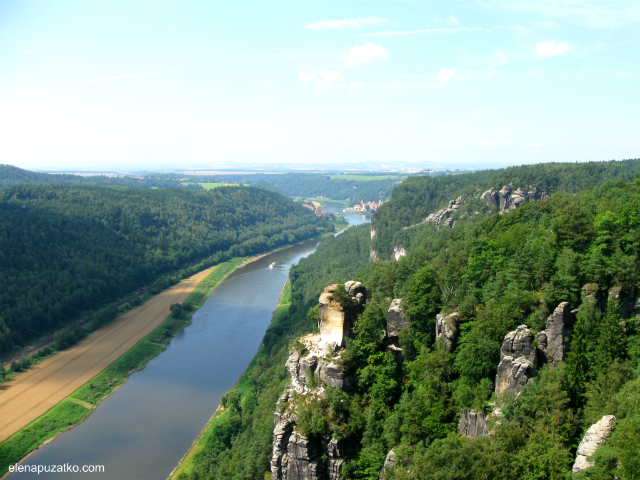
272	265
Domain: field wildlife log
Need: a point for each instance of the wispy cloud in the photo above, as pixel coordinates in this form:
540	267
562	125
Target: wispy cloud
551	49
597	13
346	23
141	74
365	53
43	48
322	79
428	31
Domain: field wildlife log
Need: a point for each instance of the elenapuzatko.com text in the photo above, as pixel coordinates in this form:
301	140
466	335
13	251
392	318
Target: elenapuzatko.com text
62	468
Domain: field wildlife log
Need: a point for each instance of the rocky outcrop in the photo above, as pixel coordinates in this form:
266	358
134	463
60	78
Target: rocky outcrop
507	199
442	218
473	424
629	300
397	319
553	342
389	464
315	362
398	252
447	329
596	435
336	319
517	361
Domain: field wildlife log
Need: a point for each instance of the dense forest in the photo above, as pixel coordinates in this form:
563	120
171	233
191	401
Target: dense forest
581	246
416	197
10	175
67	250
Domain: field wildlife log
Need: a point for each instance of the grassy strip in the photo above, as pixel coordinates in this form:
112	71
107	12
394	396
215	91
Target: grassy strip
64	415
79	404
221	416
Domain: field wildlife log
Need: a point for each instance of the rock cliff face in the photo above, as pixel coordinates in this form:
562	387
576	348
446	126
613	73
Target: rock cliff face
473	424
337	319
399	251
314	363
507	199
447	329
517	361
397	319
553	343
442	217
596	435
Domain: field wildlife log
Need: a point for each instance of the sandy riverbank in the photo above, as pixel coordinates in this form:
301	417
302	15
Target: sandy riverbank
27	396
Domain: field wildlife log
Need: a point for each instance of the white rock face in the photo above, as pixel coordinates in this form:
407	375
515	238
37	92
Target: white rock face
398	252
596	435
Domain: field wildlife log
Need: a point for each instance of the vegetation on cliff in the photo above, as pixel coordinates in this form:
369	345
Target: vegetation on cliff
497	272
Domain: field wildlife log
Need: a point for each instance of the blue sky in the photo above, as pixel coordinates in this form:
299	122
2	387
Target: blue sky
210	84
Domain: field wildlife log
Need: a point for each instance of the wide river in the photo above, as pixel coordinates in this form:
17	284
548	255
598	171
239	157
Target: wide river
143	429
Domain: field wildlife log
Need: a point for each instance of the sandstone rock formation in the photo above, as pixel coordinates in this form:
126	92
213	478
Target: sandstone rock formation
337	319
553	342
507	199
473	424
596	435
389	464
398	252
517	361
442	217
397	319
314	363
447	329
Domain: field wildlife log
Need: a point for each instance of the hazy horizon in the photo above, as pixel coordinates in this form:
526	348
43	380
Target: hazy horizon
410	84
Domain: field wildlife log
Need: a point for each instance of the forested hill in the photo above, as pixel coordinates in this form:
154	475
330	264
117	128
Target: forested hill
10	175
320	185
64	250
493	285
417	197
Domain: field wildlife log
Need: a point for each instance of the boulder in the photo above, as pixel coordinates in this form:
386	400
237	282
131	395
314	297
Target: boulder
447	329
490	197
596	435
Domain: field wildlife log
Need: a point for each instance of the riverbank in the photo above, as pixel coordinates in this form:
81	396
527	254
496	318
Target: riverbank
77	404
240	392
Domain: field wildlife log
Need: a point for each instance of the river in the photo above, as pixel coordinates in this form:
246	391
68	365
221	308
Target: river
142	430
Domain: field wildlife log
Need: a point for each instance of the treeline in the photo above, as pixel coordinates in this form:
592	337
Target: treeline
10	175
417	197
66	250
318	185
497	273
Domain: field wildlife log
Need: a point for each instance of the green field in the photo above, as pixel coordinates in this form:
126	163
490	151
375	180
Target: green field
366	178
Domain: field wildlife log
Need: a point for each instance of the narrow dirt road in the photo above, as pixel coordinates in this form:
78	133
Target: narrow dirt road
29	395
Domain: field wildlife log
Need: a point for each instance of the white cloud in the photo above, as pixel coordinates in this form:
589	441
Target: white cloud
307	77
431	30
445	74
365	53
454	20
352	22
551	49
